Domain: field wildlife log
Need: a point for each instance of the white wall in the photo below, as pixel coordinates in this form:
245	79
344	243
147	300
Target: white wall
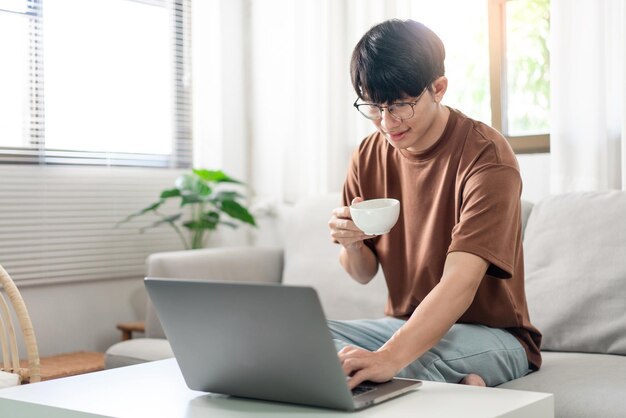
82	316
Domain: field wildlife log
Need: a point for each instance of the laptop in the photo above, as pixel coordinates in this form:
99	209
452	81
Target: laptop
260	341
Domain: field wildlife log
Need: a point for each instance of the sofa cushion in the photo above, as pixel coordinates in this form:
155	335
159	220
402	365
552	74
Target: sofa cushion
139	350
575	262
584	385
312	259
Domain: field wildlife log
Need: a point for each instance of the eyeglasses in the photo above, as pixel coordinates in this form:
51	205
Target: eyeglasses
398	110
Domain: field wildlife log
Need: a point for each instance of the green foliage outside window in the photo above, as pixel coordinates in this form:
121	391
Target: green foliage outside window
528	66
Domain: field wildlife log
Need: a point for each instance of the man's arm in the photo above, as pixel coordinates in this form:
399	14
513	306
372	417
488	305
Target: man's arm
430	321
360	263
356	258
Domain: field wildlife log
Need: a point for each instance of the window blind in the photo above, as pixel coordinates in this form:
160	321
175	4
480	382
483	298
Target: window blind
58	223
183	82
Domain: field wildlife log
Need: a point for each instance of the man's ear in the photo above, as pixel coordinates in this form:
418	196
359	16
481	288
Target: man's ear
440	86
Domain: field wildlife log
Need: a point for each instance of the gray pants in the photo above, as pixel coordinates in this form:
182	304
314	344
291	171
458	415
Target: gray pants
492	353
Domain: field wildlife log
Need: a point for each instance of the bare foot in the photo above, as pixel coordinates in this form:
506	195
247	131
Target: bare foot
473	380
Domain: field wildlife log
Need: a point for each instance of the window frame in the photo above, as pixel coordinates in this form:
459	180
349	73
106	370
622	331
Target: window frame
523	144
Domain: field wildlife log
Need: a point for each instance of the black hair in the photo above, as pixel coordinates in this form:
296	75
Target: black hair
396	58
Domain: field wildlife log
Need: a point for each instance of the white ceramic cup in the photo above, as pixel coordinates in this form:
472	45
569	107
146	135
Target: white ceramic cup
375	216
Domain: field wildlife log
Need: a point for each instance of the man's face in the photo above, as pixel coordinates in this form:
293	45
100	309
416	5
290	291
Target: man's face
419	132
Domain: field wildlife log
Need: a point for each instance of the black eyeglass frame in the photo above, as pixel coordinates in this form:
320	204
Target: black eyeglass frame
381	107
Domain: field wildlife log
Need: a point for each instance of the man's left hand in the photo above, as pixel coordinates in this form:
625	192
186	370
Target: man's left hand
361	365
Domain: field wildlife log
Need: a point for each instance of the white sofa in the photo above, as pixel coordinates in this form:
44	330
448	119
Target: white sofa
575	261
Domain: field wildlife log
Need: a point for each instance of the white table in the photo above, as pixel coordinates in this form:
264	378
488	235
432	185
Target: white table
157	389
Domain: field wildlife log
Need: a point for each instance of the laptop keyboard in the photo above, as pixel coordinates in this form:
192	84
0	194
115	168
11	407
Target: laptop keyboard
361	389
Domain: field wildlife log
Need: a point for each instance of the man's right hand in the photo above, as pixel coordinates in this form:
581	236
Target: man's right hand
343	230
357	259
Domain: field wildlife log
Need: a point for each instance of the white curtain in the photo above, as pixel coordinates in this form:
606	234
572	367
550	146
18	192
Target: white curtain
304	128
588	78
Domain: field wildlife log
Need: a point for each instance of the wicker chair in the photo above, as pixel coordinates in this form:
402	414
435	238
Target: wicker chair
8	340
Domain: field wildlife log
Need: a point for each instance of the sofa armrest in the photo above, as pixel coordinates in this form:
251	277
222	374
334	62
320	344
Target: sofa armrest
249	264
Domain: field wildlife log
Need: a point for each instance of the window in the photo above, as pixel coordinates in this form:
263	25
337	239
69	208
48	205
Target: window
465	36
497	61
520	66
95	82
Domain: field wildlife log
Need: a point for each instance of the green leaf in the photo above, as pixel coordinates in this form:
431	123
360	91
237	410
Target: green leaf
211	215
230	224
236	211
217	176
165	194
154	206
150	208
204	189
202	224
164	220
227	195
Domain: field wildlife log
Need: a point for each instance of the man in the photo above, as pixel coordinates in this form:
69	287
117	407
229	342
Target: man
453	263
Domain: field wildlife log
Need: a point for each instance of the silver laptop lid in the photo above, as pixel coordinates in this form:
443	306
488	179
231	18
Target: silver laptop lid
257	341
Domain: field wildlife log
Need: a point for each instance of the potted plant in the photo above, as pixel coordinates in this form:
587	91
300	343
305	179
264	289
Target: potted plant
203	195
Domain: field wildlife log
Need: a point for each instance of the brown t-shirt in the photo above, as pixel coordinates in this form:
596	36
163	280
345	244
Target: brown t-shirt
460	194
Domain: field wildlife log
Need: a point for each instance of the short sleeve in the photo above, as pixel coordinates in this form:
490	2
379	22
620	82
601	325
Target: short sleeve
489	221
